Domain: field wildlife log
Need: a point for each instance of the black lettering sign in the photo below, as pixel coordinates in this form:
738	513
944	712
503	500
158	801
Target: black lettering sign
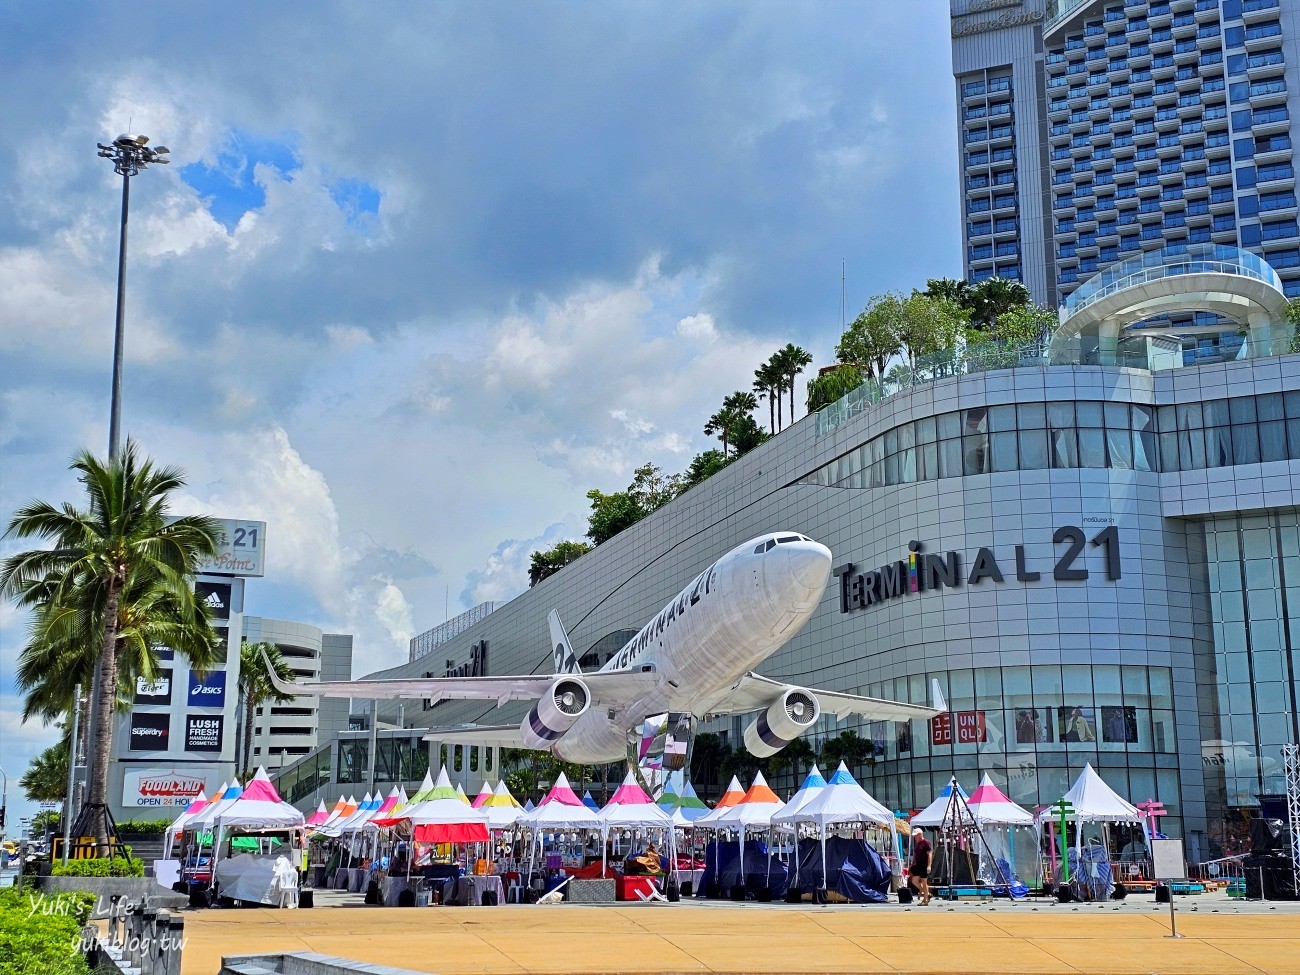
150	732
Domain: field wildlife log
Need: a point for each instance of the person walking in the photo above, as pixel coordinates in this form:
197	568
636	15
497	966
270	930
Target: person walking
919	870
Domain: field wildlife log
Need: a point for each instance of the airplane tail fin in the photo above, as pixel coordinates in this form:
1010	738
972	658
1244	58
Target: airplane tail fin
566	661
936	697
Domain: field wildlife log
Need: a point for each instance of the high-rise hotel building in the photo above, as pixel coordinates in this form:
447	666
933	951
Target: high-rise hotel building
1094	130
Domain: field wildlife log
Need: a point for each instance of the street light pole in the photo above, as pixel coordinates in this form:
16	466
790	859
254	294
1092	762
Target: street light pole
129	154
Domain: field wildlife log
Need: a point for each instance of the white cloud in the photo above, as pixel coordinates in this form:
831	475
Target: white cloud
699	327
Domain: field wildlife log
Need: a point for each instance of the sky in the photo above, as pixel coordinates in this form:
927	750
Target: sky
419	276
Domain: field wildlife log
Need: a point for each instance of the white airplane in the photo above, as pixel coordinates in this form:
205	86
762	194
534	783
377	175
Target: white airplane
695	656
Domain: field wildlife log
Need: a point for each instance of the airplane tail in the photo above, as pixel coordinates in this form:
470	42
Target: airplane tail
566	661
936	697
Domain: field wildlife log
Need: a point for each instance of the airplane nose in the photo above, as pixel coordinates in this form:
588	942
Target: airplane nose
810	565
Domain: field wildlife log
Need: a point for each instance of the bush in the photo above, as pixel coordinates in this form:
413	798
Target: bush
144	826
127	866
41	934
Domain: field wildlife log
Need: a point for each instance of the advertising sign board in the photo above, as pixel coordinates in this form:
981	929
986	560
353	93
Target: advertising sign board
240	549
150	732
203	732
209	691
164	787
156	691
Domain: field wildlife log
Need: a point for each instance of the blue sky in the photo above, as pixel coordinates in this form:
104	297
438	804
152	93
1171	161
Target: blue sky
419	278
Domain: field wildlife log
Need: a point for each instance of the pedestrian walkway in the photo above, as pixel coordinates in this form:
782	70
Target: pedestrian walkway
765	939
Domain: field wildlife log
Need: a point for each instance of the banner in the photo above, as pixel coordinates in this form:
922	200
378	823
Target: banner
203	732
150	732
208	692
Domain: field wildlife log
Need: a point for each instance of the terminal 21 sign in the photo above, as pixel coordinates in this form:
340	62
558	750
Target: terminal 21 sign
923	571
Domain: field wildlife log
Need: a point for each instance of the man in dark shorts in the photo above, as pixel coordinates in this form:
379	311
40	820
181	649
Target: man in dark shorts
919	870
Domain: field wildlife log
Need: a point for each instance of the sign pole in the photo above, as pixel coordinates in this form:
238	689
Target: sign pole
1168	864
1062	810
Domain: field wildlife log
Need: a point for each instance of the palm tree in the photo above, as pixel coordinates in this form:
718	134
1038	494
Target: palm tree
720	425
109	563
768	384
791	361
956	291
256	689
741	401
993	297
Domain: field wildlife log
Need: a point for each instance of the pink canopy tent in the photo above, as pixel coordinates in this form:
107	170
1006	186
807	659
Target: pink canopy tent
988	804
197	803
484	794
560	809
259	805
319	816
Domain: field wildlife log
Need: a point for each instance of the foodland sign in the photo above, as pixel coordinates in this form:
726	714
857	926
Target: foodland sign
162	788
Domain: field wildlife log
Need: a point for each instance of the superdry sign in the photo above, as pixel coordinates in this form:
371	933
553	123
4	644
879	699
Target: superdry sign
161	788
921	571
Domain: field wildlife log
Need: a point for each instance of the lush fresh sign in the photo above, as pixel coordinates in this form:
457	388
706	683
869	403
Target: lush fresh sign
923	571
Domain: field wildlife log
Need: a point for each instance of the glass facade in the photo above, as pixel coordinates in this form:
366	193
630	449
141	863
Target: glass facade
1031	728
1254	588
1065	434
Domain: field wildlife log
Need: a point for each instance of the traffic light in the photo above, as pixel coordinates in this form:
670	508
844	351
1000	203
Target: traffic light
2	817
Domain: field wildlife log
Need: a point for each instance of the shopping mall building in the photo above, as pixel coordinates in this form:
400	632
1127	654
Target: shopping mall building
1105	528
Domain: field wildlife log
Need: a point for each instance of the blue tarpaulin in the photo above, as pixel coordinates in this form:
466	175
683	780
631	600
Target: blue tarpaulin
722	866
853	869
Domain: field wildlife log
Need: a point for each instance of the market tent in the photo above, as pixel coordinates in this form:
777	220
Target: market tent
812	784
346	824
204	819
336	812
685	806
426	786
944	811
484	794
733	794
502	809
843	802
754	810
197	803
988	804
528	805
590	802
319	816
259	805
1096	802
442	788
631	807
460	794
448	821
560	809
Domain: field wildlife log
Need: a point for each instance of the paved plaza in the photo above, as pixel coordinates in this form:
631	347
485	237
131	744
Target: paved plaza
1221	937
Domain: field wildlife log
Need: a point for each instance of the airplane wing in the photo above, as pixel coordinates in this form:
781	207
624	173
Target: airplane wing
502	735
753	692
608	689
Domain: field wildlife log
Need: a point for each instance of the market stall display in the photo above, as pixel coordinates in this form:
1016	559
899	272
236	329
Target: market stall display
1084	868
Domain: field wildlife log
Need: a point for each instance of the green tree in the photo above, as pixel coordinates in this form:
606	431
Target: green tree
792	360
873	337
123	546
954	291
652	488
45	820
768	383
708	752
546	562
611	513
993	297
1293	318
794	758
720	425
46	778
703	466
1024	325
747	434
848	747
256	689
928	325
831	385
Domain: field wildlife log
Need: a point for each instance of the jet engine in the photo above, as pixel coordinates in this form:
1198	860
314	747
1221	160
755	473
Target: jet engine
785	719
565	702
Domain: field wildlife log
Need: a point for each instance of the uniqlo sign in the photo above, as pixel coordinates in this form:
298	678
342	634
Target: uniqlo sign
971	729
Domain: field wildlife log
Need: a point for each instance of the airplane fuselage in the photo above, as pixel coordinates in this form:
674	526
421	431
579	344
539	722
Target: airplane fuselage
731	617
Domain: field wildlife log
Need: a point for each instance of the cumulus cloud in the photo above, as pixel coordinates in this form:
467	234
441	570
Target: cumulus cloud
410	320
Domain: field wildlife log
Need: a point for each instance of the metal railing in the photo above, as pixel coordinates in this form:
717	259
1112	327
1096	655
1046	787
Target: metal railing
1156	265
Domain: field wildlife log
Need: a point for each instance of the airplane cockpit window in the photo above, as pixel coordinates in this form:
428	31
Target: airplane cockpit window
771	543
788	538
759	549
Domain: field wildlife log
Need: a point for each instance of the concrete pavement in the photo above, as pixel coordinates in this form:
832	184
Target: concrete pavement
1221	937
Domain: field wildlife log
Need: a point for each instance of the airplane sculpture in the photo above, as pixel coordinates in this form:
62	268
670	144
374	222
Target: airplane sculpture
693	657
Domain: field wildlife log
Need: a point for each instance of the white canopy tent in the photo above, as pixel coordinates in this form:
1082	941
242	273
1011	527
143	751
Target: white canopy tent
844	802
